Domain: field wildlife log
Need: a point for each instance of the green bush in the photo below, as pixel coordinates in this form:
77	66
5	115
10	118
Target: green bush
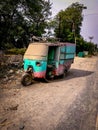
16	51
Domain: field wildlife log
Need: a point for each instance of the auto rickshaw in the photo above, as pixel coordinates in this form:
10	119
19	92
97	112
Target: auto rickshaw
47	60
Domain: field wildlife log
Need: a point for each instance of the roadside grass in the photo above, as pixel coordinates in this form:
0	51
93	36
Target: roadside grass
15	51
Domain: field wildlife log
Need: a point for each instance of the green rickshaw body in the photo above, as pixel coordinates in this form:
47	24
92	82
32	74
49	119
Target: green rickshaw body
48	59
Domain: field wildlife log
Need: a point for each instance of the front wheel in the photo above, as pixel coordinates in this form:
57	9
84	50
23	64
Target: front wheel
26	79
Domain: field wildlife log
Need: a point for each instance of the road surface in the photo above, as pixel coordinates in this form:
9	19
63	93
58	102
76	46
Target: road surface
64	104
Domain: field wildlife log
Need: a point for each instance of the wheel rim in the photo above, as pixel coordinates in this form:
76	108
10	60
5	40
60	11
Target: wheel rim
27	80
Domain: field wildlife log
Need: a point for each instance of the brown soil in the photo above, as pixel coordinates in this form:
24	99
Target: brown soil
64	104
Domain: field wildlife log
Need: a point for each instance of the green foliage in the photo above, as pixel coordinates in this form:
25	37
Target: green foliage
67	26
69	22
83	45
21	18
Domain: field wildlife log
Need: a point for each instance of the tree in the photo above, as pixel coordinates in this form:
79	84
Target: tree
20	18
83	45
69	22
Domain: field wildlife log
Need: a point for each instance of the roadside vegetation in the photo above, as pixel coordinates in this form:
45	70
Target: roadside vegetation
16	51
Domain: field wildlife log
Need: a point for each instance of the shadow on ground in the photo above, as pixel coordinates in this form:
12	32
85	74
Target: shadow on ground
73	73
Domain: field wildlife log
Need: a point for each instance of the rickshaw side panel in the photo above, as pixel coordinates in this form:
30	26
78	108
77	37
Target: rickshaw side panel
63	58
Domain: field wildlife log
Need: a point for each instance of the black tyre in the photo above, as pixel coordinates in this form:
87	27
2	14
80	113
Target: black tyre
46	80
26	79
64	74
49	79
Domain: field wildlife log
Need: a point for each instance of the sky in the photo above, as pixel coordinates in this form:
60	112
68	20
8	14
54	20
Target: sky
90	20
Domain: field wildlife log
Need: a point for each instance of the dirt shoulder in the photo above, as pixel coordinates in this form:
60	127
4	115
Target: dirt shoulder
62	104
83	112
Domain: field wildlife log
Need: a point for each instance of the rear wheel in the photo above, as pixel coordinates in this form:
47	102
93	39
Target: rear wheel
26	79
65	73
49	79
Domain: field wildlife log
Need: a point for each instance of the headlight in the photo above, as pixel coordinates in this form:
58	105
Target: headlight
38	63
